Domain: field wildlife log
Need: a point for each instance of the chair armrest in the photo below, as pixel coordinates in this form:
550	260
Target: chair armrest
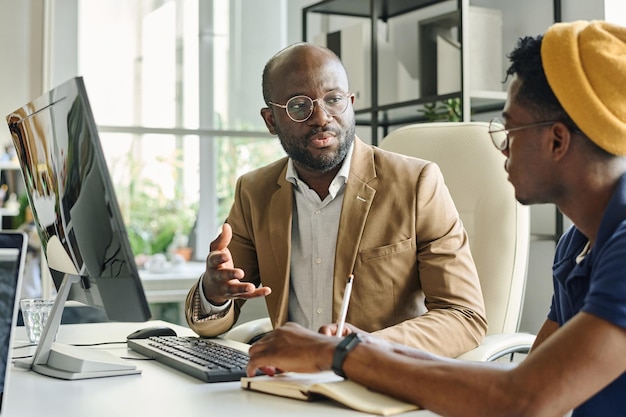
497	345
247	331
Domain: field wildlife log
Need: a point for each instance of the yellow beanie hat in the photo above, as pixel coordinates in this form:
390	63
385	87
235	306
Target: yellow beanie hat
585	64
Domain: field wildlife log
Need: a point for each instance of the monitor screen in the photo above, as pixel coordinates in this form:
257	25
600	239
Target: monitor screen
12	259
74	204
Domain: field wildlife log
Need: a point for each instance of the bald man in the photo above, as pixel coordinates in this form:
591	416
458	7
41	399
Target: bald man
336	206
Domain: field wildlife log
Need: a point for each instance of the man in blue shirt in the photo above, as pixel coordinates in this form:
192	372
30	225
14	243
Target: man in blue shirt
564	137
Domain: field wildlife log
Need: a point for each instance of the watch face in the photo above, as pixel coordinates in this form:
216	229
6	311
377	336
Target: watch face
341	352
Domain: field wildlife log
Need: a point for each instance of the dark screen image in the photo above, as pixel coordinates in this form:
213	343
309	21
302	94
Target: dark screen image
11	246
74	204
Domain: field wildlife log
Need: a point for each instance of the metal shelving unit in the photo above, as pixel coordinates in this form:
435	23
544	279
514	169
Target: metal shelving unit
385	115
382	116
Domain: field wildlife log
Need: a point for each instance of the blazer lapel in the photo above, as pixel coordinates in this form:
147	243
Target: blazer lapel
281	207
357	202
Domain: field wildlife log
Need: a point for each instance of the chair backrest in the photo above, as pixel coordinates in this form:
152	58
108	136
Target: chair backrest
497	225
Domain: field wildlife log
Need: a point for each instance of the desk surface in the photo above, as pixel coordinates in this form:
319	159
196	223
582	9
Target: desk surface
157	391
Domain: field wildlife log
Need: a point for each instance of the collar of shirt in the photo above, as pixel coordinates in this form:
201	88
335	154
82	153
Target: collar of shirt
340	179
574	245
614	214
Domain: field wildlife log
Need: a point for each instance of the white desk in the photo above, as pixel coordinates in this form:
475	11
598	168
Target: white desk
158	391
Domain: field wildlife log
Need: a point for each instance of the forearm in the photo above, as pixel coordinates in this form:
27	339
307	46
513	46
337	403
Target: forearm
428	380
446	386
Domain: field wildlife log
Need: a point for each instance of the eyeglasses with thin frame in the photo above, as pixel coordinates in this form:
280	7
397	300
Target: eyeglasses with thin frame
300	108
500	135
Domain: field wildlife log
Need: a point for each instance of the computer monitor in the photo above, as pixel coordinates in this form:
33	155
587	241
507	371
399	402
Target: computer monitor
79	221
12	258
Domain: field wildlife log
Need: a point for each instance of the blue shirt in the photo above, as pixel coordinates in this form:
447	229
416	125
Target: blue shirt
595	285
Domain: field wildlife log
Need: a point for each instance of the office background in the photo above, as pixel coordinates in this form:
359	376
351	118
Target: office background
175	87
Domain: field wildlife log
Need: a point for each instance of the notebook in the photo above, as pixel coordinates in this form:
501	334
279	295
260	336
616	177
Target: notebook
316	386
12	260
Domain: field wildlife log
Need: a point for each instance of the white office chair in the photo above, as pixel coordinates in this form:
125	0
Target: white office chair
498	226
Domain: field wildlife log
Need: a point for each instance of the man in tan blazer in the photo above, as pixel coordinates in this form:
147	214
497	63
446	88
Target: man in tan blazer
334	207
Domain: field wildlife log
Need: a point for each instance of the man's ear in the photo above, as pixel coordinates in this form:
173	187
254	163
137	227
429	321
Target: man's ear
561	139
268	118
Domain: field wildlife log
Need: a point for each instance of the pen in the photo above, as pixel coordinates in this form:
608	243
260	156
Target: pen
344	306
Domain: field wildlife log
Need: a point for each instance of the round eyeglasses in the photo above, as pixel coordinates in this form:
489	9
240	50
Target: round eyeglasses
500	135
300	108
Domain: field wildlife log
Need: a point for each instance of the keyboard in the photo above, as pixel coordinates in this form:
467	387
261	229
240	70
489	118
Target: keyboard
204	359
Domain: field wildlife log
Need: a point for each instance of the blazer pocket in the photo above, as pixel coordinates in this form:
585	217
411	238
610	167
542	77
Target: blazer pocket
387	250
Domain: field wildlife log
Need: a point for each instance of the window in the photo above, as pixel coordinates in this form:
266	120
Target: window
175	87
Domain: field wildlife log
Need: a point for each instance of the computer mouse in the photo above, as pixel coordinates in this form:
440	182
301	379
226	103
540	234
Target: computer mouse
147	332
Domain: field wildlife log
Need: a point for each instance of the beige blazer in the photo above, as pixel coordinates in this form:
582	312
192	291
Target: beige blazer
399	233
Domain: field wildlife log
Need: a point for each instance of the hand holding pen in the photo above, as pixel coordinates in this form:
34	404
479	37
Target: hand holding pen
344	306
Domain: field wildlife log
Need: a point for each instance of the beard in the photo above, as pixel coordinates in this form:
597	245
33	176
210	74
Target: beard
297	150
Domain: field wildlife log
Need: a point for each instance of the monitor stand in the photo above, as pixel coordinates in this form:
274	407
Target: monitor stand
71	362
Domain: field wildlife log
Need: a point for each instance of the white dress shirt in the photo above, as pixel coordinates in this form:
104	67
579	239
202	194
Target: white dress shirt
315	226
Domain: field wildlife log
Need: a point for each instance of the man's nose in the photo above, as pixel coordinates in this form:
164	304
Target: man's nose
320	116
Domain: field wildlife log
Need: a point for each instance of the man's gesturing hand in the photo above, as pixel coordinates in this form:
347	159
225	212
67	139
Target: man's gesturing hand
221	280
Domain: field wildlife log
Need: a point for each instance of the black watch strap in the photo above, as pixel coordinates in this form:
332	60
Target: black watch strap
341	352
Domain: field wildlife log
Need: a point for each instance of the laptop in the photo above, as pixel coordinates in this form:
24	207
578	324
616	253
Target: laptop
12	259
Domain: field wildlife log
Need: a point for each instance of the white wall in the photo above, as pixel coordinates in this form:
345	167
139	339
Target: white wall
21	46
615	11
584	9
62	40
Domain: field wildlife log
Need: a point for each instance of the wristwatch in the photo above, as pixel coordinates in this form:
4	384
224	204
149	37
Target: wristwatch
341	352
